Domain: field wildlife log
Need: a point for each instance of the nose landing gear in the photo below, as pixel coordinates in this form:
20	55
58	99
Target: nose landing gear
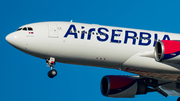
51	62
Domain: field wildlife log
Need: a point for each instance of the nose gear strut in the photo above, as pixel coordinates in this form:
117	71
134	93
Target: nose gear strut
51	62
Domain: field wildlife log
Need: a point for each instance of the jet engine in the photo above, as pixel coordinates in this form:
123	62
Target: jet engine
167	51
121	87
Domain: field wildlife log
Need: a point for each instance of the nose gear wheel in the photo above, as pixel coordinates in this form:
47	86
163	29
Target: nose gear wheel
52	73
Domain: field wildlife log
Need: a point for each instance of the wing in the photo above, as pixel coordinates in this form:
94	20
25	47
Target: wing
144	64
162	77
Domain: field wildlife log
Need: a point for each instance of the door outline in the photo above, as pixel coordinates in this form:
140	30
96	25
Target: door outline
52	31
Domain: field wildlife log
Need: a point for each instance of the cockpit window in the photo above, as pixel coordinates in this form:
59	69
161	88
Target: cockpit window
18	29
30	29
25	29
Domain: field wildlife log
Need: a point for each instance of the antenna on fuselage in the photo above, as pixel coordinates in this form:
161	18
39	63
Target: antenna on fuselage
71	21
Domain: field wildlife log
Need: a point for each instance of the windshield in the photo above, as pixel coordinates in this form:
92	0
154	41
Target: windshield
25	29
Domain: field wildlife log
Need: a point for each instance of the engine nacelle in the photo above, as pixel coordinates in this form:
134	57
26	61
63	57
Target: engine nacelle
167	51
121	86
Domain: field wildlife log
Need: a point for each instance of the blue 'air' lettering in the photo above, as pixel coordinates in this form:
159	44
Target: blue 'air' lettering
128	36
71	31
143	38
104	34
90	32
114	35
83	32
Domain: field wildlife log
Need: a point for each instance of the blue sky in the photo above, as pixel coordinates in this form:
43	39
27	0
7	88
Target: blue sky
24	77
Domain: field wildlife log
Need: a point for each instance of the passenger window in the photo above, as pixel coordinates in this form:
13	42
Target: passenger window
25	29
30	29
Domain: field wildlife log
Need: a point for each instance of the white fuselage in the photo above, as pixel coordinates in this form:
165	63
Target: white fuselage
127	49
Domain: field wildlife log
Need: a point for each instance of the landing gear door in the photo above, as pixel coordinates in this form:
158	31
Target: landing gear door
53	31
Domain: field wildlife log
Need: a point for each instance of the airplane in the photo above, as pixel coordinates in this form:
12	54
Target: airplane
154	56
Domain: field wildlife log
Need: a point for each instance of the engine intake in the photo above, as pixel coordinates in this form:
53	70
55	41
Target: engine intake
167	51
159	51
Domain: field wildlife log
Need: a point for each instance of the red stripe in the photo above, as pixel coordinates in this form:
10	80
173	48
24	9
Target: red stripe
119	81
171	46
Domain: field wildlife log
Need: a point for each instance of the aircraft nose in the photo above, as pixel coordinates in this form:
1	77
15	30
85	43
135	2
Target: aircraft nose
11	38
17	40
